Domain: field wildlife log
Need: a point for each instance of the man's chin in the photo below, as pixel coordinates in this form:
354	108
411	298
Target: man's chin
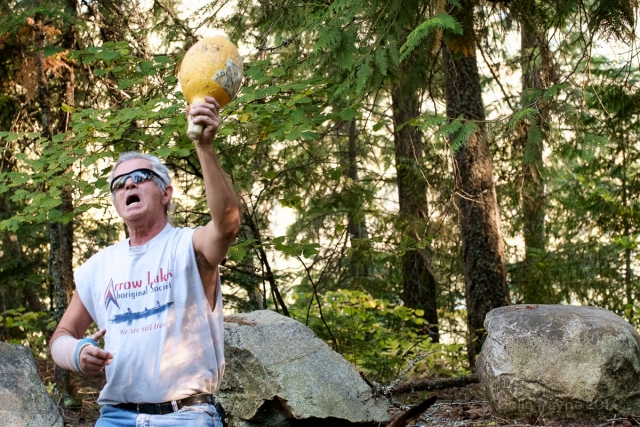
132	215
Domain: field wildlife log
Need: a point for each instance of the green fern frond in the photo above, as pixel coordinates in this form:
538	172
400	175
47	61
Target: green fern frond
393	52
442	21
346	51
555	89
591	144
328	38
450	128
458	131
526	113
363	74
433	122
381	61
462	136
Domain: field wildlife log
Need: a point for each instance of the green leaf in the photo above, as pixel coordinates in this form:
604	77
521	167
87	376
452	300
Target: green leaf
292	136
269	175
310	250
68	108
278	72
125	84
236	254
273	90
59	137
335	174
291	202
226	130
51	203
348	114
51	50
109	55
378	126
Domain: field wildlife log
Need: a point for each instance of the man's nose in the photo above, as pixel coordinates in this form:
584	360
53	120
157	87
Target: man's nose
129	183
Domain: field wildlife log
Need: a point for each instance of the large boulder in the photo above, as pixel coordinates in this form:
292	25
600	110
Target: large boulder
24	401
278	372
560	361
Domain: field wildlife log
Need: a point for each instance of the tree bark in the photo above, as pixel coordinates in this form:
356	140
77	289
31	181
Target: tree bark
60	234
532	190
478	216
356	227
419	283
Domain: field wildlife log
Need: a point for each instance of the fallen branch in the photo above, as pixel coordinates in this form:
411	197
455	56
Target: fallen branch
391	388
437	384
406	417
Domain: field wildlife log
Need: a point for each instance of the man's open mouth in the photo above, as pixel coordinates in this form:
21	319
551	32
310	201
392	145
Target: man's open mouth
132	199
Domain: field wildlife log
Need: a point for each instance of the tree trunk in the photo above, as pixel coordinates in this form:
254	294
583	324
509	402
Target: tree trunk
419	284
357	227
478	215
628	272
60	234
532	193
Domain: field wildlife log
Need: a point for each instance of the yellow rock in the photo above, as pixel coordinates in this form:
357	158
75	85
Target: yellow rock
211	67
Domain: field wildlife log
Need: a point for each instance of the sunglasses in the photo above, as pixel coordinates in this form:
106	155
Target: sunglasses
137	176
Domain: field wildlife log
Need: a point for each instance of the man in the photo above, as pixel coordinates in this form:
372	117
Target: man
155	297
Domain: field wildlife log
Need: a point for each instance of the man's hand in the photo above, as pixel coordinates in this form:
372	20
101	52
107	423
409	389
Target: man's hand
93	359
207	115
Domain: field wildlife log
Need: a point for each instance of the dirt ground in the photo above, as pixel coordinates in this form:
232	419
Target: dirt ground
89	387
455	407
468	407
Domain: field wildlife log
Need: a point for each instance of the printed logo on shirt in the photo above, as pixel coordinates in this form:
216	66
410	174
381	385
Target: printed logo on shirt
129	316
110	295
118	293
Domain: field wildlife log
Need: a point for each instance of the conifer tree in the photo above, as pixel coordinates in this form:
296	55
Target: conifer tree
478	214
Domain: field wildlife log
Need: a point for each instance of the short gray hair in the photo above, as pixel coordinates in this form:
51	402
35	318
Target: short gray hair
156	165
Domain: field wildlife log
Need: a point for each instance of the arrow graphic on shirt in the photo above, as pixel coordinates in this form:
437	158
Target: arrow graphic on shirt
110	295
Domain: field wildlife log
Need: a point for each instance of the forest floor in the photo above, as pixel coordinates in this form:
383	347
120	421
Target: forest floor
468	407
455	407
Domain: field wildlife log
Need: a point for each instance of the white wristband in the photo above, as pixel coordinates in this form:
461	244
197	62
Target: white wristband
65	351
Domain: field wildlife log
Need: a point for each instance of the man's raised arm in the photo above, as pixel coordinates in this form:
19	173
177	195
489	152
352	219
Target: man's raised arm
212	241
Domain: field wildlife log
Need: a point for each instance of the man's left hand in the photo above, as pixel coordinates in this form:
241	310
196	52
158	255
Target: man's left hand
207	115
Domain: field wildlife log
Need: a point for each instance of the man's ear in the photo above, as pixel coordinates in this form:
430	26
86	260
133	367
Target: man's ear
166	196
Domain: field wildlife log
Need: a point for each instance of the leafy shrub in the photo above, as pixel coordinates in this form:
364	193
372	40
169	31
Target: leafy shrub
379	337
27	328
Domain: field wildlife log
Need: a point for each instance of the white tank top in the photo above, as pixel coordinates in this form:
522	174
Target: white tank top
166	341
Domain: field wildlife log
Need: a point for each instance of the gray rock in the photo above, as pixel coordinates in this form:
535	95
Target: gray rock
24	401
278	370
560	361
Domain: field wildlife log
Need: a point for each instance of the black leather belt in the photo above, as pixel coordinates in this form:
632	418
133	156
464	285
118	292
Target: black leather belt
166	407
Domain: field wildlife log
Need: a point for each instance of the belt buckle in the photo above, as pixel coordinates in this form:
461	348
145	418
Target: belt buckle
174	405
138	408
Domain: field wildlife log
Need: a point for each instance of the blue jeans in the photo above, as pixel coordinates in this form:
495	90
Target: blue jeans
202	415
